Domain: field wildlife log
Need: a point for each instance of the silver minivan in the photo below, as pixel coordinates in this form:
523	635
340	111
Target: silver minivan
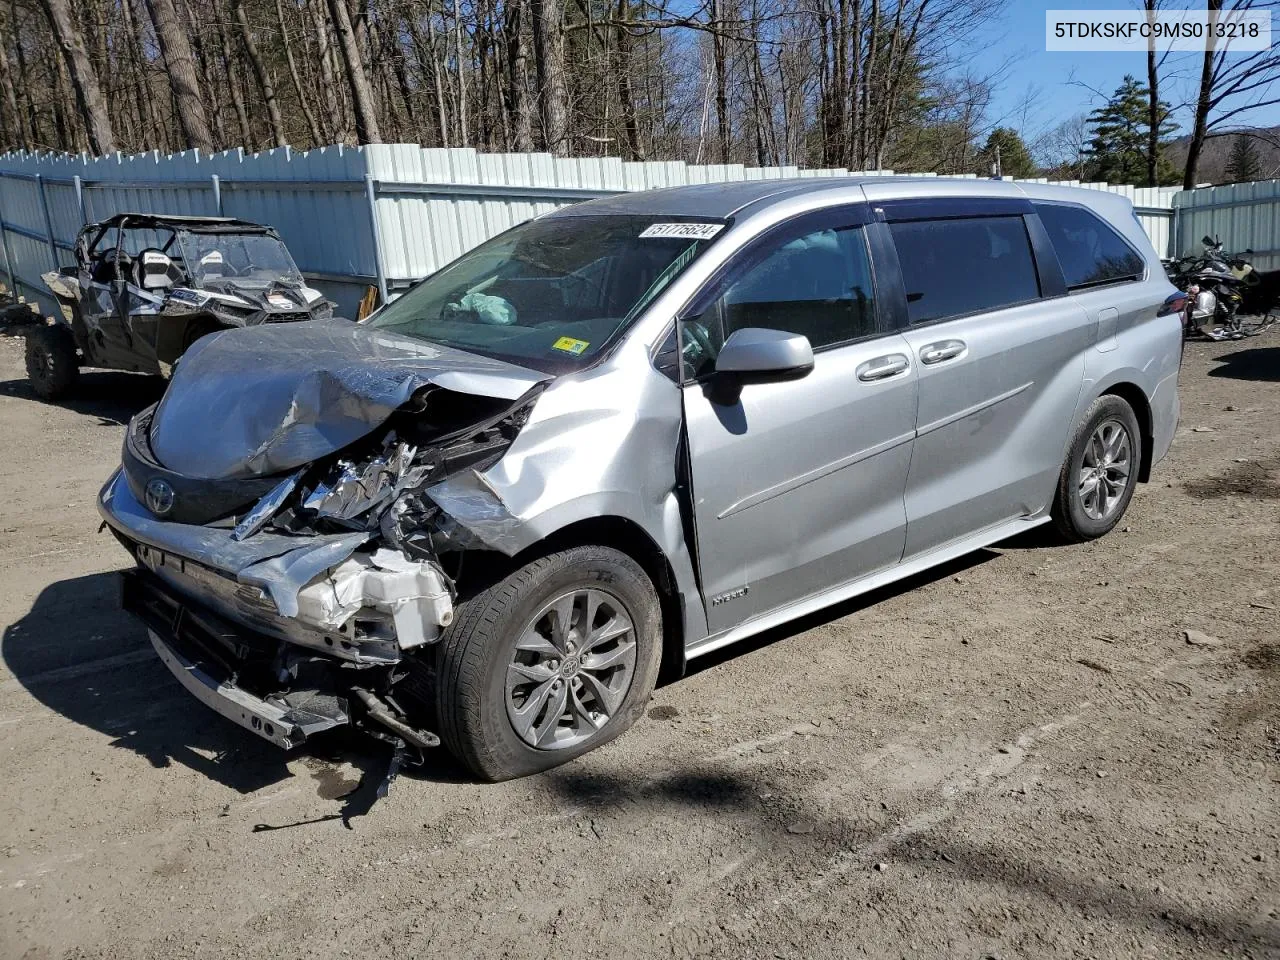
628	433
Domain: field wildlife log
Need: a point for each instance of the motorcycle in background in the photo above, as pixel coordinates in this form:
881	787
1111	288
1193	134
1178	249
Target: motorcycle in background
1221	294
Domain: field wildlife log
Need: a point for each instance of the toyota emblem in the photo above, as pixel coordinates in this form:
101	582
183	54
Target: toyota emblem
159	496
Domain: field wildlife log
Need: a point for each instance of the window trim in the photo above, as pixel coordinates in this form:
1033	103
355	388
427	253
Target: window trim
1096	284
1036	264
844	216
910	209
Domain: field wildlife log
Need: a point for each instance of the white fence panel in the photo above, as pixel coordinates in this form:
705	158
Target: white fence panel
384	214
1244	215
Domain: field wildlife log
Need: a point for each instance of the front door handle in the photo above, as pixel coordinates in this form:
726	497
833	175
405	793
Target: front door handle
882	368
941	351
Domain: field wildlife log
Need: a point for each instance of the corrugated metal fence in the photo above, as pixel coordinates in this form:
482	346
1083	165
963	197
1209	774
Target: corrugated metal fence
382	215
1244	215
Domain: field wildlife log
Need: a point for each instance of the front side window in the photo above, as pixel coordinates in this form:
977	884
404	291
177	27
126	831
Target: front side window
1090	251
549	294
818	284
955	267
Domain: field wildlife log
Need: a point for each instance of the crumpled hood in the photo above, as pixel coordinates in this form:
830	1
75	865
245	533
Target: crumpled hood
266	399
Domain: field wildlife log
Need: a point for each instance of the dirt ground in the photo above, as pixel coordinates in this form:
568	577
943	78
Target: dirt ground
1017	756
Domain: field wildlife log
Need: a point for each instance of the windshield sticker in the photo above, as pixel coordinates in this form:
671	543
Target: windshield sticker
570	345
688	231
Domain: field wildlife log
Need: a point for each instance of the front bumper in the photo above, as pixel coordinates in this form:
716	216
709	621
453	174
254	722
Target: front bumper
323	593
218	665
267	720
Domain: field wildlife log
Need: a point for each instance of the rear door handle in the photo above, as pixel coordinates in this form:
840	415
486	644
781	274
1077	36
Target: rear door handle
941	351
882	368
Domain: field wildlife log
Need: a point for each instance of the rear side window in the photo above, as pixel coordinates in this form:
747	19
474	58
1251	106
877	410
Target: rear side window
1090	251
967	265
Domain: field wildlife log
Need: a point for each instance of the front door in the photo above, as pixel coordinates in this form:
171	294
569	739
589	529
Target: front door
798	485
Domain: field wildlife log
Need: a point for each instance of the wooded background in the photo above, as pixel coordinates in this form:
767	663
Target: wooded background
861	84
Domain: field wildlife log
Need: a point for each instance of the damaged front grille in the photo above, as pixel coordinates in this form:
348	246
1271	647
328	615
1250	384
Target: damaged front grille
351	489
331	581
379	484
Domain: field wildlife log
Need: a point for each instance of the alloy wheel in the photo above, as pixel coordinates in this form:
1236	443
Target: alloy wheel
1106	470
571	669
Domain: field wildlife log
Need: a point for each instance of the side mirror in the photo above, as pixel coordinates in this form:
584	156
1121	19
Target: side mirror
757	355
1207	240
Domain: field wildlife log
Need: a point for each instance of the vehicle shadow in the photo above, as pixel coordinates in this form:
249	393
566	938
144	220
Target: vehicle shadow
110	396
79	654
1261	364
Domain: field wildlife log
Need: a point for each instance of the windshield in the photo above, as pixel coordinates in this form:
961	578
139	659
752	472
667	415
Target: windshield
253	257
549	294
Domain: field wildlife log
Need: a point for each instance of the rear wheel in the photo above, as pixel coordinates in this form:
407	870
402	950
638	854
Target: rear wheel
1101	471
556	659
52	365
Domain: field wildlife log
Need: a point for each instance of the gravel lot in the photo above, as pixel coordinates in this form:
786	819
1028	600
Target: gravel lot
1017	756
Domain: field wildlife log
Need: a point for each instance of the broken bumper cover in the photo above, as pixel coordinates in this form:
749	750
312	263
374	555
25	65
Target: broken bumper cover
207	653
319	592
274	723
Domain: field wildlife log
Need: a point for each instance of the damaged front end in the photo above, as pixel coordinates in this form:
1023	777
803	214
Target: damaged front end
293	603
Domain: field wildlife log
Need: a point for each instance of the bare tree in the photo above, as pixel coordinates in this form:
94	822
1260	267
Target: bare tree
181	68
260	72
1231	85
362	97
313	126
548	46
84	77
518	99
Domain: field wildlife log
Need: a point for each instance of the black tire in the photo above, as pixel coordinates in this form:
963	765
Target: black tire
1070	518
474	654
52	365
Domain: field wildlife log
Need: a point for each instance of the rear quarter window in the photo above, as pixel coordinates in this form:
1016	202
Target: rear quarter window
1090	250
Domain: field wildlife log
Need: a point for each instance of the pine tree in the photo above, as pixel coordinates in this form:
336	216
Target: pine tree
1244	164
1118	144
1015	158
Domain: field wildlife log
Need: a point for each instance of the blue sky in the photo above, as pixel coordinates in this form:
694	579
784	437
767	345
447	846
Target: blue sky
1040	89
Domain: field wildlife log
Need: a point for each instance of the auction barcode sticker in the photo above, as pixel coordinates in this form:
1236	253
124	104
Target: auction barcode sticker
690	231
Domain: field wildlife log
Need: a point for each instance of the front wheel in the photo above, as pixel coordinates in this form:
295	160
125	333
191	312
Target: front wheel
1100	472
554	660
52	365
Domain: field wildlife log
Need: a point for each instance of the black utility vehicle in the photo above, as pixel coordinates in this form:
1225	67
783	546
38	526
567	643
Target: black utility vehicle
145	287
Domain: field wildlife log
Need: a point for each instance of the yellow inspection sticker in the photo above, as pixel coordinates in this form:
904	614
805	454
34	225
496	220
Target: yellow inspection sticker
570	345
